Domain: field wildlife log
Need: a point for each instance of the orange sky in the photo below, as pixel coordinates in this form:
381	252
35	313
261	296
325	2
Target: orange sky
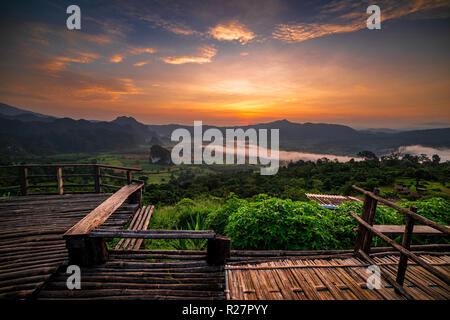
237	69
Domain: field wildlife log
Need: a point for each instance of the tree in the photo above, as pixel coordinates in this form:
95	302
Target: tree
420	174
436	159
367	155
424	158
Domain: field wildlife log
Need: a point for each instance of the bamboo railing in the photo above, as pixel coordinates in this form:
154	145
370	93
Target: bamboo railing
367	230
96	175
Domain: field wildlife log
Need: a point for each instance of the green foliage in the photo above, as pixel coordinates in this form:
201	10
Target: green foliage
196	223
345	225
383	215
294	180
218	219
187	215
436	209
272	223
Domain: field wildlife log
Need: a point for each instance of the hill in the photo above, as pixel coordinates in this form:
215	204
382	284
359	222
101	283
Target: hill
27	133
14	113
65	135
334	138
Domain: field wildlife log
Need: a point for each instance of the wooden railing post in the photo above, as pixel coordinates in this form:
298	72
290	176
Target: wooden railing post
85	251
60	181
129	177
24	180
406	242
218	250
97	179
136	197
364	236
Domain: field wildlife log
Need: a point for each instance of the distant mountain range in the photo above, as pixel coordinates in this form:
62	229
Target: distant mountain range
14	113
25	133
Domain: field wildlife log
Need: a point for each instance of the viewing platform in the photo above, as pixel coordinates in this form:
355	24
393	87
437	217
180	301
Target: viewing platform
41	235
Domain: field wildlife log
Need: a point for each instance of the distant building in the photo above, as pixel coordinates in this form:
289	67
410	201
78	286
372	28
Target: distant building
331	201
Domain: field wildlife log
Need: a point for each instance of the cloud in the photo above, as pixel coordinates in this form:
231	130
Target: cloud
443	153
299	33
44	31
60	63
140	64
156	20
181	30
232	31
132	51
206	54
348	16
111	90
141	50
116	58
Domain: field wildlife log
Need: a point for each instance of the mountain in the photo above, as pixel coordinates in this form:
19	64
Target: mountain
19	138
379	130
24	132
136	128
14	113
334	138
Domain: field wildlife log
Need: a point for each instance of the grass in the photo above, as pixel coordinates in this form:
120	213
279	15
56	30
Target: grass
434	188
185	215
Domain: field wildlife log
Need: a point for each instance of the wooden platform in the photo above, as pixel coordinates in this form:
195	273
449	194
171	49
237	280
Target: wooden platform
332	279
394	230
31	243
34	260
143	275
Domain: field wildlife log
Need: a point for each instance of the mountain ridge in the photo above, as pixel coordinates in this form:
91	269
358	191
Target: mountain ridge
33	133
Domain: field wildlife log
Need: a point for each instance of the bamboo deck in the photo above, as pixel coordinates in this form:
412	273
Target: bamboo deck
33	263
332	279
31	243
169	275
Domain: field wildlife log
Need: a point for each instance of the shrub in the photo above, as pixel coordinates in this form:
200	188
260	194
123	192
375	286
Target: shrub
218	219
272	223
436	209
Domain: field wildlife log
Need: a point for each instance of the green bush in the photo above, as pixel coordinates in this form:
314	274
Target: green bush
345	225
268	223
218	219
436	209
272	223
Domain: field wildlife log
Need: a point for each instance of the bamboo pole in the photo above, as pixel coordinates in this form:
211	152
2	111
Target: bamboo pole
406	252
414	215
406	241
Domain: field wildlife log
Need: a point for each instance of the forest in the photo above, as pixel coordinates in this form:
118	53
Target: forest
273	212
323	176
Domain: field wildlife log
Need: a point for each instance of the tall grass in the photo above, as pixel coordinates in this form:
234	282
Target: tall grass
187	214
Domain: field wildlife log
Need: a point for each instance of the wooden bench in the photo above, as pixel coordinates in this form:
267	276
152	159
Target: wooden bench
418	230
86	251
139	222
218	250
87	245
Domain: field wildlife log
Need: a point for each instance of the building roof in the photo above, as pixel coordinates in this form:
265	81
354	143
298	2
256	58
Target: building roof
331	200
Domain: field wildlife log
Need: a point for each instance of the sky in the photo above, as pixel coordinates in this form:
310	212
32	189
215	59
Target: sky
230	62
